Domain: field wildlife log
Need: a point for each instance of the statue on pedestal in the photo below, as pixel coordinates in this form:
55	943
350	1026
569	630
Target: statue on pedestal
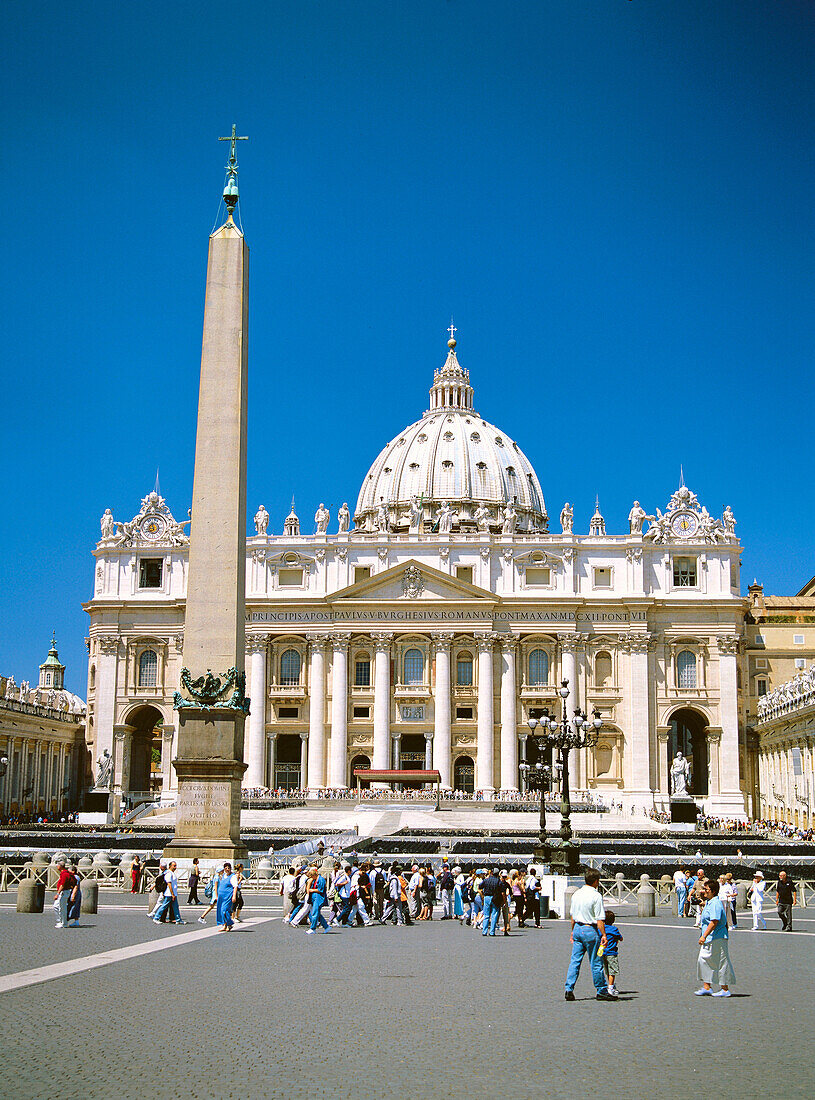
680	776
445	518
107	524
567	518
382	518
261	520
344	518
104	771
482	518
636	518
321	518
729	521
510	520
415	516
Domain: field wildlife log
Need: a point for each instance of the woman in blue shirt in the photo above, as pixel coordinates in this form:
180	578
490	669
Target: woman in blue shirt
714	966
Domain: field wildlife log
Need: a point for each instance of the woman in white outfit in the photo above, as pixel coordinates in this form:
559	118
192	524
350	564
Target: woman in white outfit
755	892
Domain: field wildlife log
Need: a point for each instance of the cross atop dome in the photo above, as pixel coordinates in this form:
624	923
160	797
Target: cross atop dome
451	385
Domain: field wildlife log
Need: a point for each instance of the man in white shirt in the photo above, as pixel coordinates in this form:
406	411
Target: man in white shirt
170	899
413	891
588	932
681	887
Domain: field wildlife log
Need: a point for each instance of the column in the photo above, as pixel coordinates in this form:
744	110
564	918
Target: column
428	749
316	715
568	667
338	752
396	744
639	718
486	718
714	741
663	733
509	717
122	741
256	647
442	730
167	734
107	647
303	760
522	741
382	702
730	800
271	749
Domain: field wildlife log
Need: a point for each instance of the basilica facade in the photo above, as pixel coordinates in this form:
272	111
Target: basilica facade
426	627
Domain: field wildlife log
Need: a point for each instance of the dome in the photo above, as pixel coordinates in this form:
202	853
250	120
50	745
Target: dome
452	456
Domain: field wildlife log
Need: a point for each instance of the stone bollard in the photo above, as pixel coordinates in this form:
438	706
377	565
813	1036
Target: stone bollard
90	897
646	898
568	894
667	894
30	896
264	869
741	900
620	877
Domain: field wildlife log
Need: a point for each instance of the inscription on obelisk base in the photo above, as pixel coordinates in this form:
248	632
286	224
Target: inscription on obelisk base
208	811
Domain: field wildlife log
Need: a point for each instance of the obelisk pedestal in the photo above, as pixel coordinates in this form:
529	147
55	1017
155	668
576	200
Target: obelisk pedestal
211	704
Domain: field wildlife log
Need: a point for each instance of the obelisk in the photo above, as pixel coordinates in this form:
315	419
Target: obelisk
211	703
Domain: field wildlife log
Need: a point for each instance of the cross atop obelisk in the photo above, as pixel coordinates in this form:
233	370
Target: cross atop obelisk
231	186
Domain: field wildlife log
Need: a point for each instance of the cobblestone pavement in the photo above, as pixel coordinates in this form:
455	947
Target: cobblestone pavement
427	1011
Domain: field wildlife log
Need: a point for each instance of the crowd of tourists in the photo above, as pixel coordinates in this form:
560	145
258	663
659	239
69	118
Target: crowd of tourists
690	897
345	894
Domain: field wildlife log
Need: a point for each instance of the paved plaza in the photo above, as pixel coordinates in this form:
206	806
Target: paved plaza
428	1011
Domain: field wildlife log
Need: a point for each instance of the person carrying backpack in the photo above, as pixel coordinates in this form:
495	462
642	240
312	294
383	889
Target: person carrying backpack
446	886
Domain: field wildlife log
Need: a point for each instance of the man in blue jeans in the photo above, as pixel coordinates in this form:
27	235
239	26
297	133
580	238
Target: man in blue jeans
490	886
588	932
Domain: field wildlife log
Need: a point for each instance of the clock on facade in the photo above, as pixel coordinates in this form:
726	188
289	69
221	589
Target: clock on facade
685	524
152	528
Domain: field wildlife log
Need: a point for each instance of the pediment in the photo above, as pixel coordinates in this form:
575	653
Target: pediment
411	582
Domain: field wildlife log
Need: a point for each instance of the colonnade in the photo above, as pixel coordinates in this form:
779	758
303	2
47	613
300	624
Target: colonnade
787	779
37	773
325	754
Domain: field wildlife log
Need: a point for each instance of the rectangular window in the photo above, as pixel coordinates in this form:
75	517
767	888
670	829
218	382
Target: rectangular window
362	712
289	578
800	662
288	712
362	673
684	572
761	686
361	573
465	713
602	576
797	639
150	572
465	573
537	575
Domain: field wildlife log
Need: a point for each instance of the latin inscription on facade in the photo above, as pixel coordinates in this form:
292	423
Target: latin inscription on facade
431	615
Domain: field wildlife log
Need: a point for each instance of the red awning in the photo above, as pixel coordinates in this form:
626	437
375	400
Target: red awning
396	774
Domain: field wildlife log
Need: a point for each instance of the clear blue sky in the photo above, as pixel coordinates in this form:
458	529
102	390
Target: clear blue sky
613	199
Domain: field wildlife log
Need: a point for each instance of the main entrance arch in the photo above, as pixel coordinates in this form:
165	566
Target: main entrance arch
688	736
145	750
464	774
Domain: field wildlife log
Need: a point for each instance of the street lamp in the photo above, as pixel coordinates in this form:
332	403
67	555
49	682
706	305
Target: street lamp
579	733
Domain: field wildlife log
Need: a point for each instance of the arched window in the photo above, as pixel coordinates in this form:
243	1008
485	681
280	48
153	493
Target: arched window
413	667
290	668
48	679
362	671
148	669
602	669
93	676
538	667
686	669
464	669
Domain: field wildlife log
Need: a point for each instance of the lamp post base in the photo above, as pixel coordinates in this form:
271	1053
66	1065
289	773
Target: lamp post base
565	857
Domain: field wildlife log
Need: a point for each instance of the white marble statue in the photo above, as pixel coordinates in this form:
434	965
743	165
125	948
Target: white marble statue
344	518
321	518
729	521
636	518
482	518
510	520
25	690
567	518
107	524
680	776
415	516
261	520
445	518
104	769
382	518
11	687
